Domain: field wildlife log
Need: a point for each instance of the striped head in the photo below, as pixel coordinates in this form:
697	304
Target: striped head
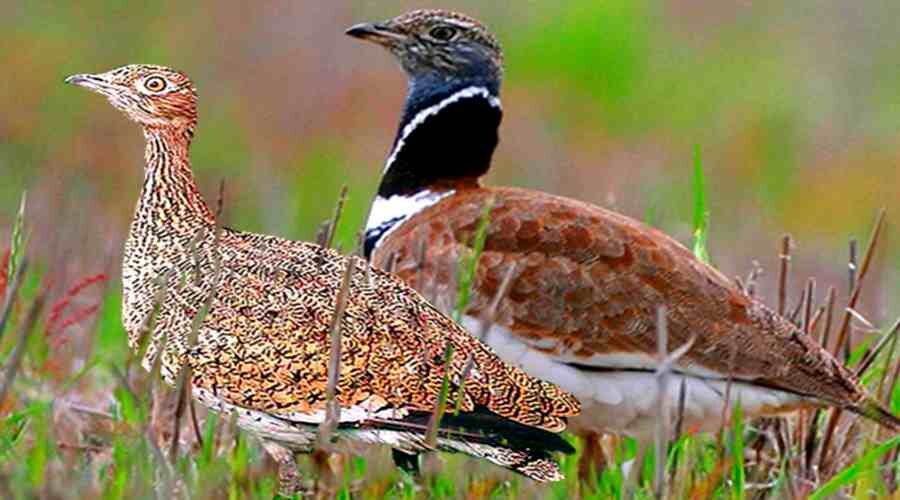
441	43
154	96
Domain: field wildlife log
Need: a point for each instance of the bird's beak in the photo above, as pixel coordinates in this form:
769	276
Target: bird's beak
96	83
376	33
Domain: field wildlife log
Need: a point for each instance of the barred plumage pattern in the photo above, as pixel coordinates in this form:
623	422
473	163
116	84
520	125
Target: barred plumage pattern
263	347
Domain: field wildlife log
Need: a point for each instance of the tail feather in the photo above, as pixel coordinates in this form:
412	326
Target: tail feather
877	412
532	464
482	434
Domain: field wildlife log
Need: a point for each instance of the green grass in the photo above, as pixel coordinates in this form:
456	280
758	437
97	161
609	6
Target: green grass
117	450
701	213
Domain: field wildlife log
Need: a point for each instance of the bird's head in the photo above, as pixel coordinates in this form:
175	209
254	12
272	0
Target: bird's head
437	44
154	96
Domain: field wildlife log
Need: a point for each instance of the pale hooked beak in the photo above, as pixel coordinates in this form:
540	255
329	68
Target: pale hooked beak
377	33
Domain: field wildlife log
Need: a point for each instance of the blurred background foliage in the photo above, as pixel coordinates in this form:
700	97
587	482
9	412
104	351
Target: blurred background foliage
796	106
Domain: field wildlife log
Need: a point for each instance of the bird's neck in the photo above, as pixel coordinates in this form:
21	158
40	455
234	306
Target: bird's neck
170	196
446	137
445	142
172	228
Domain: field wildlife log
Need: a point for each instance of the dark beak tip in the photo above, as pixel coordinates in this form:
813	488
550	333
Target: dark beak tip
360	30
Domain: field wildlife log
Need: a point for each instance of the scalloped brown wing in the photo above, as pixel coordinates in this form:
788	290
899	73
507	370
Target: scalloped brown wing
265	343
588	282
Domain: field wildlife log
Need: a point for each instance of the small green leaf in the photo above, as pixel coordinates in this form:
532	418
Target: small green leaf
701	214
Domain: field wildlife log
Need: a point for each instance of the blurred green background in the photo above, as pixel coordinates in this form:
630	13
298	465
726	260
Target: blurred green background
796	106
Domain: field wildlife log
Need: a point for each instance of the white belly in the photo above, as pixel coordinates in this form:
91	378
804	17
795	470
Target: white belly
627	402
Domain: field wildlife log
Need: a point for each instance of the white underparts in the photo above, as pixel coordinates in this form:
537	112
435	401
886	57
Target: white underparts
619	392
421	116
298	431
388	213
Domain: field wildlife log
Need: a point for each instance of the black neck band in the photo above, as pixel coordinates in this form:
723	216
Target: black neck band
448	133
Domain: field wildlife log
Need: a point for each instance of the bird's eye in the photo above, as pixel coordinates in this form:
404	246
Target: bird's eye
155	83
442	33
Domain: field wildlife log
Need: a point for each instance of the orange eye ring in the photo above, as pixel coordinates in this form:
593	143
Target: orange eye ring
155	83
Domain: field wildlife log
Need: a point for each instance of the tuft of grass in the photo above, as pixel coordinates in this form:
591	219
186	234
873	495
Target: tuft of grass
701	213
17	240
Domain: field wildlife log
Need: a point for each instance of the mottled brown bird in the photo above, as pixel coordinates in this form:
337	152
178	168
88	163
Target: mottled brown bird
587	283
262	350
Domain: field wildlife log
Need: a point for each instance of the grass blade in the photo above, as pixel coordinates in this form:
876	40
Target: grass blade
12	365
862	465
701	213
16	243
469	264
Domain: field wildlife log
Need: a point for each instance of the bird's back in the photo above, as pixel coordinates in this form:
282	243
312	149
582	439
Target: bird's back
587	285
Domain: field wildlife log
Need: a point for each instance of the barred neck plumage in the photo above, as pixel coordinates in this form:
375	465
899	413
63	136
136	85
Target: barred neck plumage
170	195
445	142
171	227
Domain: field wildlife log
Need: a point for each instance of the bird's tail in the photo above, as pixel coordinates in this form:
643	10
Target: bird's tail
482	434
874	410
533	464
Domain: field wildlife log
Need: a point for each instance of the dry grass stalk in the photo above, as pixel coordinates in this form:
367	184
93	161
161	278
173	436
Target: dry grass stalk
829	318
333	409
488	319
795	317
682	401
662	386
845	327
676	433
723	425
893	384
484	329
421	252
784	270
816	319
167	481
15	358
873	353
183	387
851	265
859	280
858	316
149	323
888	362
664	368
808	305
338	210
806	325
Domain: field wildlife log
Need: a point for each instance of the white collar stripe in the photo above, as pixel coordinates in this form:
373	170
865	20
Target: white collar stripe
430	111
388	213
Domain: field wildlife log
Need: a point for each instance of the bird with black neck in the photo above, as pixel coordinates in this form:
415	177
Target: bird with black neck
587	284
